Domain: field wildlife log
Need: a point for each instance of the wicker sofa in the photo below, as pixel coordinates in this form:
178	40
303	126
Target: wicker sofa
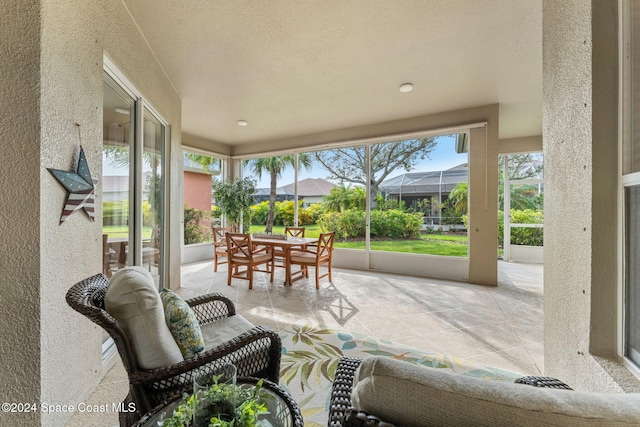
381	391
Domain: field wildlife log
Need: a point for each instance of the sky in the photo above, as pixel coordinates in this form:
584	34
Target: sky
442	158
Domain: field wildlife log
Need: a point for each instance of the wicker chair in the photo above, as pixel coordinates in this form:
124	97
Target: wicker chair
341	413
255	353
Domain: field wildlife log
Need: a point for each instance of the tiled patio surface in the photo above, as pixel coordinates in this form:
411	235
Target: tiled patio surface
498	326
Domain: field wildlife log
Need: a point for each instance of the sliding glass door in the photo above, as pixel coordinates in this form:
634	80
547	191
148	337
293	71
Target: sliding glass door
132	182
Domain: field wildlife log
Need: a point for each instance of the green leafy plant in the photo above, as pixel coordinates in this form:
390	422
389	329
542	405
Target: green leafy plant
391	224
521	235
234	198
250	405
194	231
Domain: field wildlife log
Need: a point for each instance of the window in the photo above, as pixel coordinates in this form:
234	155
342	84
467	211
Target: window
199	214
521	196
417	190
420	188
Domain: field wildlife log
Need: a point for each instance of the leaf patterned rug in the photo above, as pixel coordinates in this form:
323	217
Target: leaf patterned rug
310	356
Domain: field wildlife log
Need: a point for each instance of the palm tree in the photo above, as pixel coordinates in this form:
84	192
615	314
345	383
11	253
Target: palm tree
522	197
274	166
459	197
207	163
343	197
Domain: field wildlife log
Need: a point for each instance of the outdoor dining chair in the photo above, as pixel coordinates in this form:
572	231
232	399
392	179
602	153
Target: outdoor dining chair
243	254
315	256
279	254
220	246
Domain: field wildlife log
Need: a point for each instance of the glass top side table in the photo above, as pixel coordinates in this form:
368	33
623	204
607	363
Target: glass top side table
282	409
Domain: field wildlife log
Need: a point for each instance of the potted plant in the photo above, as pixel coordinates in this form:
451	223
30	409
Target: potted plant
226	405
234	199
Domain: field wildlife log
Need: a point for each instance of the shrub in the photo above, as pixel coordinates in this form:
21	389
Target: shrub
450	215
308	215
115	212
147	214
194	231
352	223
259	213
393	224
330	221
284	213
521	235
215	212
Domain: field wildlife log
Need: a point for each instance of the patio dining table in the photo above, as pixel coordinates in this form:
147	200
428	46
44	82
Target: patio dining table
120	246
287	245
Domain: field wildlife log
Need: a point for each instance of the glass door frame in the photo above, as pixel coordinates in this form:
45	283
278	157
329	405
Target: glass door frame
136	171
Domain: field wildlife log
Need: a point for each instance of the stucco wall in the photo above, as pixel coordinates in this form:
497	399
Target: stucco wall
51	73
580	148
197	190
19	207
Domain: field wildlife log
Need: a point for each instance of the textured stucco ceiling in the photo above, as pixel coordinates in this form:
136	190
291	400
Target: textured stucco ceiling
298	67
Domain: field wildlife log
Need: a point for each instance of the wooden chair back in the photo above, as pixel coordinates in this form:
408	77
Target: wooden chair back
325	246
315	256
294	231
241	254
220	235
239	245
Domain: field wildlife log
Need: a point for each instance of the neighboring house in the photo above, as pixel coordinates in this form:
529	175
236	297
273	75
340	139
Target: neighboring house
197	184
263	194
414	188
197	191
116	187
311	190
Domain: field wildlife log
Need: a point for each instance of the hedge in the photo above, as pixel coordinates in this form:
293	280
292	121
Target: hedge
393	224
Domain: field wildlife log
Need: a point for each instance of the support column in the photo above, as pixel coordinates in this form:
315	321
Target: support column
483	205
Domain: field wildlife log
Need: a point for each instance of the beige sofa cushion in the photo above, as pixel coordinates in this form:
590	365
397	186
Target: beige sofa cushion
411	395
133	300
224	330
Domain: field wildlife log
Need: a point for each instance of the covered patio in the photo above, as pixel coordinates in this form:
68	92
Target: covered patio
500	327
248	79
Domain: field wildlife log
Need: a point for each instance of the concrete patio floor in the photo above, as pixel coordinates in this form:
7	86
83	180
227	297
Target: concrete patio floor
497	326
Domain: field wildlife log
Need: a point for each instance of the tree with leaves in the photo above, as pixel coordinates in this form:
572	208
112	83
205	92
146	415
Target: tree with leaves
274	166
234	199
349	164
521	166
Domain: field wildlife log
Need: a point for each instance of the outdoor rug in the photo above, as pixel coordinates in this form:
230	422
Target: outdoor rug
310	356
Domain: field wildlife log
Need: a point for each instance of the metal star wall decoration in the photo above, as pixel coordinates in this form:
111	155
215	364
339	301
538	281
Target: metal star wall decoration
80	188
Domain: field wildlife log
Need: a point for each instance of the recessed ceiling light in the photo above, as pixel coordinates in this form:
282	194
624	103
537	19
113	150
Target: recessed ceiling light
122	110
406	87
242	122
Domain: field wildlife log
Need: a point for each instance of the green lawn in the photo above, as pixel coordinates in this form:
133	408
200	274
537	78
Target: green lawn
434	244
123	231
